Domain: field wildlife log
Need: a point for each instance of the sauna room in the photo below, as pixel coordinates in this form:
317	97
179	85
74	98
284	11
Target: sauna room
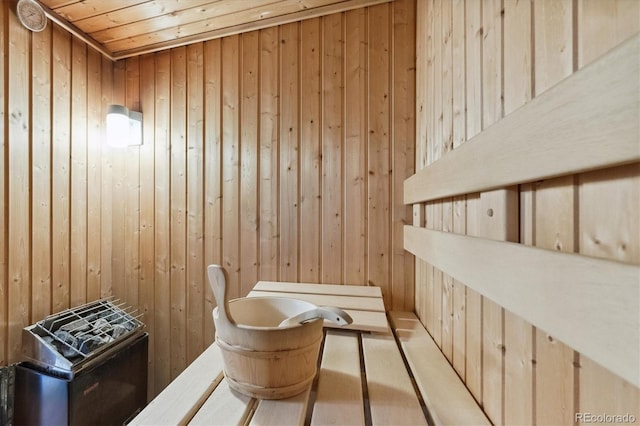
447	189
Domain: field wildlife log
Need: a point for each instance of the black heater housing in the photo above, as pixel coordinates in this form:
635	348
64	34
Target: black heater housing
111	392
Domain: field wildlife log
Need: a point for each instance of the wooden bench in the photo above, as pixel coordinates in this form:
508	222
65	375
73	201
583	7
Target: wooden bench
445	396
179	401
362	378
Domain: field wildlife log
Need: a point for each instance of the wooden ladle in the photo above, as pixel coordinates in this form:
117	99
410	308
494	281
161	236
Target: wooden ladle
330	313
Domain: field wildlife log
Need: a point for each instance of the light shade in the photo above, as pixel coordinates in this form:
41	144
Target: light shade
124	127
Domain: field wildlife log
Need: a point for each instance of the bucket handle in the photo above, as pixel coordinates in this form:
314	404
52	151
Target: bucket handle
218	283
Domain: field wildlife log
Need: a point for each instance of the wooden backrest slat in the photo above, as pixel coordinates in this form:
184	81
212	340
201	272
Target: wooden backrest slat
588	121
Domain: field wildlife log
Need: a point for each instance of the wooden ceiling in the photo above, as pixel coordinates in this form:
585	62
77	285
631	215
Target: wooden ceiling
123	28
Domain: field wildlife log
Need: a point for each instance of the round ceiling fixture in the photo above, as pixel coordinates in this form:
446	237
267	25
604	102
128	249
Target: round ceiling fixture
31	15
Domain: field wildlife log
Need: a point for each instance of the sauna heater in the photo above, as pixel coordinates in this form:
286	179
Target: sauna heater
83	366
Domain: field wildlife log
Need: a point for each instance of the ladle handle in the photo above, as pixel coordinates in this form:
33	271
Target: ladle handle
331	313
218	283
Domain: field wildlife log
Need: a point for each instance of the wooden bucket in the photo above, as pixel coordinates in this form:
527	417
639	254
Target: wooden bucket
261	359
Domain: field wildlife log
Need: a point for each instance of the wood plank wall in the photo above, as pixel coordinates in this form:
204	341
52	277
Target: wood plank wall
54	92
279	153
477	61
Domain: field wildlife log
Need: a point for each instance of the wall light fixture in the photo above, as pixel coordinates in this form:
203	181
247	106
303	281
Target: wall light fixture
124	127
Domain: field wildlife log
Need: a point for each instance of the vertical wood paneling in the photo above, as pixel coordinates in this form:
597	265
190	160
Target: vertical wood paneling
458	64
602	202
553	56
553	42
428	277
106	192
147	209
421	117
212	171
249	162
473	326
4	285
162	276
230	161
269	167
94	173
423	34
257	155
436	304
355	149
459	295
418	219
118	192
495	212
446	145
195	271
78	173
289	149
131	194
518	54
18	200
61	132
426	270
607	197
41	166
178	211
518	334
310	150
332	148
603	25
379	205
249	149
511	52
435	144
424	80
403	35
458	72
447	289
434	215
473	56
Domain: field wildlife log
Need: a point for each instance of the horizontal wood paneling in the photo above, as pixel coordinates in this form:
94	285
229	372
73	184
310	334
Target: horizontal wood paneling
516	51
263	152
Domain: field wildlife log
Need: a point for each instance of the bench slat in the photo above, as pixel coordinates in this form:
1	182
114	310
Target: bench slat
334	289
179	401
224	407
447	399
364	321
391	394
344	302
339	396
290	411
